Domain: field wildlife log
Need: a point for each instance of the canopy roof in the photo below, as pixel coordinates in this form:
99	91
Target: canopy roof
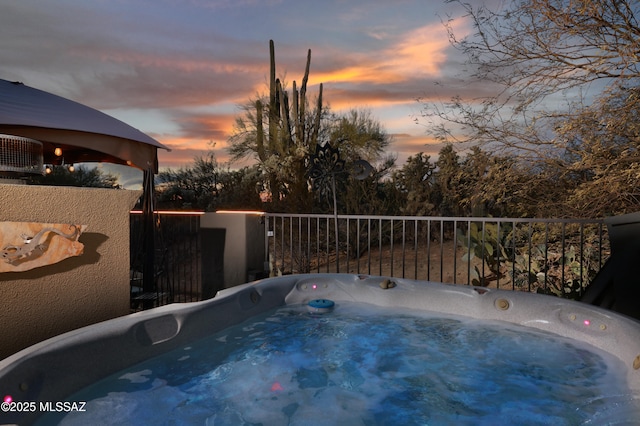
84	134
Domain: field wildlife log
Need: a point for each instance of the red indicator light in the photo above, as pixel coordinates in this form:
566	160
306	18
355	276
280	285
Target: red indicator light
587	323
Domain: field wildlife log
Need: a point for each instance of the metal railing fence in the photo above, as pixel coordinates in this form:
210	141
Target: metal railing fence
553	256
177	260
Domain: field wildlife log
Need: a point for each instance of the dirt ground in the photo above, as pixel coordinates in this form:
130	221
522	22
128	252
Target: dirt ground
432	262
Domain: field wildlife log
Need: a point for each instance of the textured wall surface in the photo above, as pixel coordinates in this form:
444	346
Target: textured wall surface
93	287
243	246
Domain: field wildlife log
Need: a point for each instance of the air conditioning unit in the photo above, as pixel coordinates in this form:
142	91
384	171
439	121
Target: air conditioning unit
19	158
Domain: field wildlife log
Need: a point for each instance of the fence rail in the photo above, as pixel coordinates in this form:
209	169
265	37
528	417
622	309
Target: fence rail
554	256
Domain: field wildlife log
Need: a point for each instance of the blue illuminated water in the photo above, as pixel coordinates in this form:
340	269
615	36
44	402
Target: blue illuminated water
361	365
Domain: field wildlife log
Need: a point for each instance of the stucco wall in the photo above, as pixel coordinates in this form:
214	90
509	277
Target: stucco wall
243	246
46	301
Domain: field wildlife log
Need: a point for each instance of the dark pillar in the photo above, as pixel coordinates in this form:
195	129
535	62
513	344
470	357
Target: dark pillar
148	244
212	246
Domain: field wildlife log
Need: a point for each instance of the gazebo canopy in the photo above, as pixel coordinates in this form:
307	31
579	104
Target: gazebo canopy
82	133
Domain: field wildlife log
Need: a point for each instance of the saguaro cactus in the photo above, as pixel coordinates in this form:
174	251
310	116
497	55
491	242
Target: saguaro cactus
288	136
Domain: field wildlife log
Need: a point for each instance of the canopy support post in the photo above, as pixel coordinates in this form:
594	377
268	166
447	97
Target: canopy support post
148	230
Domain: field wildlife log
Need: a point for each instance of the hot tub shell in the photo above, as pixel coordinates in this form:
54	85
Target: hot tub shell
58	367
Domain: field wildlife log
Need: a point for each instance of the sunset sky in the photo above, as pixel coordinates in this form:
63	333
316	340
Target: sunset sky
179	69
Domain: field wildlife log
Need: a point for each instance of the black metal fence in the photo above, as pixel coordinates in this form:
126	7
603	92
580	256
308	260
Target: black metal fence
177	259
553	256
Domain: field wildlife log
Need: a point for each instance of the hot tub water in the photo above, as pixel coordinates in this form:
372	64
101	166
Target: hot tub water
367	365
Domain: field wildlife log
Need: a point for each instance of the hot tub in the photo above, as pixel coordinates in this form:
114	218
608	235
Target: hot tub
43	379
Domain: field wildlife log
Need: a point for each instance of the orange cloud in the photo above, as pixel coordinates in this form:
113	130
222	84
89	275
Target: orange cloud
420	52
